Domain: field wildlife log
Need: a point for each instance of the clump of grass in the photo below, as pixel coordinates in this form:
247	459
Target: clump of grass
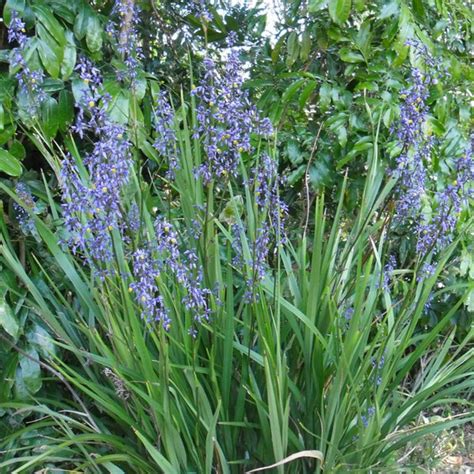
320	355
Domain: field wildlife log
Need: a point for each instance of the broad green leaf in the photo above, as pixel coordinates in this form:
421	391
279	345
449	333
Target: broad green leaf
294	152
292	89
306	92
350	56
82	19
325	96
418	8
65	109
79	89
389	9
47	19
50	117
305	45
6	134
405	32
41	340
94	34
339	10
292	47
49	59
119	108
9	164
275	54
8	320
29	371
316	5
17	150
69	58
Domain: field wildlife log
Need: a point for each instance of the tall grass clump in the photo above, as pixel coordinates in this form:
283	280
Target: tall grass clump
186	325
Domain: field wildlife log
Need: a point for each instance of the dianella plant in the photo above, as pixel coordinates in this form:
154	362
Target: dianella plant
166	313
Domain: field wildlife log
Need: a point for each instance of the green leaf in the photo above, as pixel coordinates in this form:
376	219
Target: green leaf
17	150
6	134
41	340
94	34
82	19
406	31
316	5
275	54
7	320
419	9
119	108
296	175
48	58
2	118
349	56
306	92
292	47
52	25
294	152
389	9
50	117
339	10
29	371
325	96
9	164
292	89
65	109
305	45
69	58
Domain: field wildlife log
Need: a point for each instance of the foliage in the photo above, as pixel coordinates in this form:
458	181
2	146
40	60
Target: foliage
161	307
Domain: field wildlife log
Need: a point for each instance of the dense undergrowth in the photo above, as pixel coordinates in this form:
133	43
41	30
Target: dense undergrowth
166	305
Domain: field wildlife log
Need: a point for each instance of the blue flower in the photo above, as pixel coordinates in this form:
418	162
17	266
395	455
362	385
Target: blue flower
226	118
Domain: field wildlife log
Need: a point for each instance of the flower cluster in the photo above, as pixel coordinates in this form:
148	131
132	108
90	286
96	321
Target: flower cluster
271	231
16	30
92	104
200	9
146	271
266	182
91	204
165	142
29	81
416	146
23	211
366	418
184	266
226	118
438	232
125	33
378	366
387	275
165	256
434	233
